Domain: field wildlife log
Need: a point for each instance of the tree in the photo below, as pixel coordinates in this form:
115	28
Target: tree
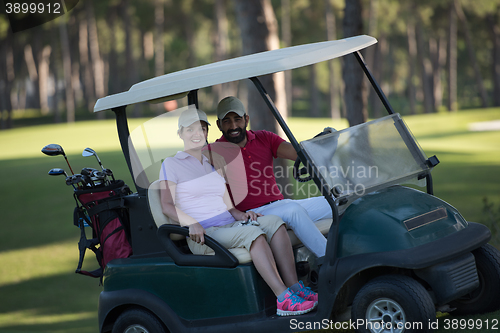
7	76
158	38
494	25
424	66
115	84
412	55
286	38
355	86
259	32
54	68
68	83
130	62
221	47
331	34
85	66
452	59
472	56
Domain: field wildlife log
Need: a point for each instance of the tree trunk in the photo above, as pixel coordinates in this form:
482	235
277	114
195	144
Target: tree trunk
95	56
147	52
472	55
158	38
331	34
437	48
222	49
66	55
33	75
314	110
259	32
355	94
425	68
43	78
54	65
189	31
115	83
372	31
380	57
159	45
286	38
130	64
452	60
495	37
86	70
412	55
7	75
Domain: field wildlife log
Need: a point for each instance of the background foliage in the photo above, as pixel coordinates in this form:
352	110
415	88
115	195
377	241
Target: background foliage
431	56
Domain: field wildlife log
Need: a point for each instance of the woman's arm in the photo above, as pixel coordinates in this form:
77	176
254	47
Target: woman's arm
167	194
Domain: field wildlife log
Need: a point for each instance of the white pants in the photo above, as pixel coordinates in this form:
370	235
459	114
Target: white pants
299	215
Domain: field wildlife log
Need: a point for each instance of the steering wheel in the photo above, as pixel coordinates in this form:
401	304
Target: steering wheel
298	173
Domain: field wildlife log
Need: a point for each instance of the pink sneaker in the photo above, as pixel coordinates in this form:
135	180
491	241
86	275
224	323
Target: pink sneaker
294	305
307	293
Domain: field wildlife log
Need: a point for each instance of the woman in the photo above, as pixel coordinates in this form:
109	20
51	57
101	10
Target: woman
195	195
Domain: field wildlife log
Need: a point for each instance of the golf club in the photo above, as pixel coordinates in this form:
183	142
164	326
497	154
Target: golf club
87	174
91	152
99	178
55	149
75	179
59	171
108	173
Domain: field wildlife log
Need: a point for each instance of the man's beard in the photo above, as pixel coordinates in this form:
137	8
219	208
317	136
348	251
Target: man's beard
235	139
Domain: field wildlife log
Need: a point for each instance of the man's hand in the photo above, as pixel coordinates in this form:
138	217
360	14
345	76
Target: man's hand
241	216
196	233
252	215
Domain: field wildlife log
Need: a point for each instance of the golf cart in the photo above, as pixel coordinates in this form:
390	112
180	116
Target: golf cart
395	255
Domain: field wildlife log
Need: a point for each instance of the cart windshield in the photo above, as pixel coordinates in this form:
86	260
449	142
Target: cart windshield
367	157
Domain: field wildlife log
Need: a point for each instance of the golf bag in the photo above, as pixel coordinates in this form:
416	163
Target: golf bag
103	210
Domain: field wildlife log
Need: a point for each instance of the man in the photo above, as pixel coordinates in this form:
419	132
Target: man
258	149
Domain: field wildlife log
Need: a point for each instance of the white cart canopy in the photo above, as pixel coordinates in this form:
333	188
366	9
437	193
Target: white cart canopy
170	86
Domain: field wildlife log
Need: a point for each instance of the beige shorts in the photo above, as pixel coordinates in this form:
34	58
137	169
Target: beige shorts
231	235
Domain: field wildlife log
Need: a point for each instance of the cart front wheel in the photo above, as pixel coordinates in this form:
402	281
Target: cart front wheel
395	304
137	321
485	297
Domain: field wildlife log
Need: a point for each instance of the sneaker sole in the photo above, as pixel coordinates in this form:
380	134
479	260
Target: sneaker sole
284	313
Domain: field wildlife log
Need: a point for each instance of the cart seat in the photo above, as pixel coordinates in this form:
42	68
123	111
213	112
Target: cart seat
241	254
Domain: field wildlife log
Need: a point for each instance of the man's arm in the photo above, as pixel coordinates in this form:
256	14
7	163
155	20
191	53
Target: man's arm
286	150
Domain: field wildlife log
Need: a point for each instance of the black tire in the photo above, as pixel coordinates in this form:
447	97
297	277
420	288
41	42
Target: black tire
138	321
486	297
395	299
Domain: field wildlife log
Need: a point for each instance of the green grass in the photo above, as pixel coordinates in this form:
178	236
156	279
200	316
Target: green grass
38	242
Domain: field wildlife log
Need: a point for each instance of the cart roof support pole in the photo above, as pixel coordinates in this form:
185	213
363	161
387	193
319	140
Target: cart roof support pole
193	98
